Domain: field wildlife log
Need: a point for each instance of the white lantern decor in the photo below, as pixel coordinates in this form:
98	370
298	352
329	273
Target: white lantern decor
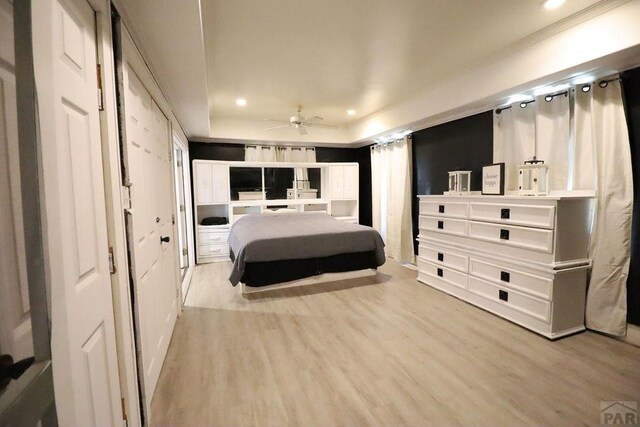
533	178
459	183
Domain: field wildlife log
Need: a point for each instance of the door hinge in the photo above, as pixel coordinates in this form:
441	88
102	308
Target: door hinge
184	252
112	261
126	197
179	163
124	411
181	208
100	91
173	219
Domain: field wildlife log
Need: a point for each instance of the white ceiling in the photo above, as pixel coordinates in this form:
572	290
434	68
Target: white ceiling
332	55
329	56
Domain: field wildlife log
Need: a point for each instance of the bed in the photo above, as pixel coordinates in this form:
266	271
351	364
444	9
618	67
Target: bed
269	250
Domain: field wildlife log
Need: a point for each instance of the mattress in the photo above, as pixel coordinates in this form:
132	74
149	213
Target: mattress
298	236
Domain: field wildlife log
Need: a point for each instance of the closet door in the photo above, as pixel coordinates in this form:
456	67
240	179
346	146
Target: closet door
204	183
350	182
149	221
219	183
337	182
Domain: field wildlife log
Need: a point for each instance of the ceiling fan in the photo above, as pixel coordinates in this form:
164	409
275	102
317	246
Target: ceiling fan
300	122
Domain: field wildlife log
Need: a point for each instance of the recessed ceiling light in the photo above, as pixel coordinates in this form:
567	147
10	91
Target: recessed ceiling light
241	102
351	112
553	4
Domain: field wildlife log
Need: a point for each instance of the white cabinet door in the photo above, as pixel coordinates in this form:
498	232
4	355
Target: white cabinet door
204	184
337	182
219	183
350	182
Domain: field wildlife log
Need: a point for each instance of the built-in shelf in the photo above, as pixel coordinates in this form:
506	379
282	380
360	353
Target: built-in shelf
278	202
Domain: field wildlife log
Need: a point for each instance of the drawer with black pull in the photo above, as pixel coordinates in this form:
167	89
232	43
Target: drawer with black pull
441	272
443	225
443	256
507	213
445	208
536	239
519	301
512	277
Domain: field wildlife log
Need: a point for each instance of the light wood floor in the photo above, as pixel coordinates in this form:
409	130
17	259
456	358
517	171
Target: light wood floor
383	351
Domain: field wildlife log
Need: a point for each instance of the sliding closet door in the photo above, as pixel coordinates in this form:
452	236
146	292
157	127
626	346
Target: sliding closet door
150	223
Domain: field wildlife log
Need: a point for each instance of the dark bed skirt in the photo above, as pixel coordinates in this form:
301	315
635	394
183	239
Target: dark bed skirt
271	272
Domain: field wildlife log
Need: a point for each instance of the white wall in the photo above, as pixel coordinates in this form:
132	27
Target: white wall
607	42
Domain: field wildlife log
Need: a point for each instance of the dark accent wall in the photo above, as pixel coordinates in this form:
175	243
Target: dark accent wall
631	93
235	152
461	144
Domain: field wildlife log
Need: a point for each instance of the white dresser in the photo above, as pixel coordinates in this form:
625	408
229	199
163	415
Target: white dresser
522	258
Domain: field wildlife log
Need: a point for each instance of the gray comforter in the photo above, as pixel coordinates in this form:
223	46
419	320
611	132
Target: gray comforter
260	238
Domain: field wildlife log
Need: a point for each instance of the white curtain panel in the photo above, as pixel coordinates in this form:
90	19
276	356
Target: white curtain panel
251	153
514	139
376	182
601	123
310	155
552	138
391	198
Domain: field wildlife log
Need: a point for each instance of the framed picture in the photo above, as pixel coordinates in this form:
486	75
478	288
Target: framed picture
493	179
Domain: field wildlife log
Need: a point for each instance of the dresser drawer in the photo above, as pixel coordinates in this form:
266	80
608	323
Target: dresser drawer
213	238
456	227
527	215
448	209
448	275
446	257
529	305
213	250
528	238
511	277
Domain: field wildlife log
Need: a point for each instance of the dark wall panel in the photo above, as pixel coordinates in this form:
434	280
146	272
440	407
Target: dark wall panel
462	144
631	93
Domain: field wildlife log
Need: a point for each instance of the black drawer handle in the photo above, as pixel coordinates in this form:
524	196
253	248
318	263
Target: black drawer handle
441	208
504	234
440	256
440	225
505	276
503	295
505	213
440	272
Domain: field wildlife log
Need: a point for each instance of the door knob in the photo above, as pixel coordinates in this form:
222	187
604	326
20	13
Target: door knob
165	239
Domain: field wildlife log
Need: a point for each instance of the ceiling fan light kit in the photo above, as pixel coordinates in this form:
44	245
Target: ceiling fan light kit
300	122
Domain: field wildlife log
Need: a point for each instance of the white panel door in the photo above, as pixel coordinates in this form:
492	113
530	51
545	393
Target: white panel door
15	321
150	226
204	184
83	339
350	181
220	181
337	182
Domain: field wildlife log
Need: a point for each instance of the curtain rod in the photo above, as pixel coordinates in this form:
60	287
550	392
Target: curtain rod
549	97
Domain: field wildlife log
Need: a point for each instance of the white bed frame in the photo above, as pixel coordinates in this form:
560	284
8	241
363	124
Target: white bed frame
321	278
